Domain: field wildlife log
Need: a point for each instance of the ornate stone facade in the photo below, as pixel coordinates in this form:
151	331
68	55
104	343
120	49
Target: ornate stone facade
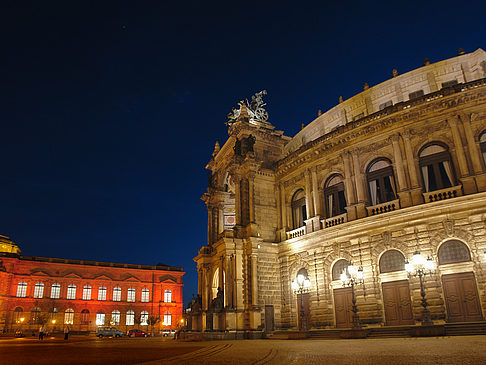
396	169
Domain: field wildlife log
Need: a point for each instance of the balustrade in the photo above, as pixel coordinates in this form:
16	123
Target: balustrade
296	232
334	221
384	207
443	194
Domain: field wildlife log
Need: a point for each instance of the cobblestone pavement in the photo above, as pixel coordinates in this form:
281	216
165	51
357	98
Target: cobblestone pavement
155	351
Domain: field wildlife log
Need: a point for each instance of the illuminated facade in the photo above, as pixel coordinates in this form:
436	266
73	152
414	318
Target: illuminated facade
85	294
395	169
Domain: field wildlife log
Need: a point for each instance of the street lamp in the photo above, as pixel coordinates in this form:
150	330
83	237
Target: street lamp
419	266
352	277
301	285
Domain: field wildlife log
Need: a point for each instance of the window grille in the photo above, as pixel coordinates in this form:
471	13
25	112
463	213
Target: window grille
453	251
392	260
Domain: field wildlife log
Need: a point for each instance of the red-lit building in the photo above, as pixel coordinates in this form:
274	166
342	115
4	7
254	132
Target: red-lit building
85	294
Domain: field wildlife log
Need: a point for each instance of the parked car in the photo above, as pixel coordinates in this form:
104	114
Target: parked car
138	333
108	332
168	333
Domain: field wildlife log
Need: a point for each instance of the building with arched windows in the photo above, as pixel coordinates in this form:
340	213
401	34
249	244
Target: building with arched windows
85	294
397	169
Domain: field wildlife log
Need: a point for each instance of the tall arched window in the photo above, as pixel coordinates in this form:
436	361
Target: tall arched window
116	294
335	200
38	290
22	289
299	210
392	260
55	291
167	318
35	315
144	318
436	167
87	292
381	182
482	144
168	296
131	295
100	318
115	318
84	317
338	268
453	251
69	316
18	315
71	291
130	318
145	295
102	293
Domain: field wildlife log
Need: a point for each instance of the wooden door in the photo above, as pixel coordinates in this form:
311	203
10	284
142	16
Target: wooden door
269	318
303	307
343	305
397	303
461	297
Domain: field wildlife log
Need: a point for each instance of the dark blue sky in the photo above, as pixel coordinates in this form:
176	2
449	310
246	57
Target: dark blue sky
109	110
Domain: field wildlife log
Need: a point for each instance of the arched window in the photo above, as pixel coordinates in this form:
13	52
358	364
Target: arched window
299	210
168	296
482	144
131	295
71	291
338	268
53	316
87	292
100	318
39	290
102	293
436	167
381	182
18	315
392	260
116	294
69	316
55	291
35	315
115	318
130	318
84	316
335	200
145	295
144	318
167	319
453	251
22	289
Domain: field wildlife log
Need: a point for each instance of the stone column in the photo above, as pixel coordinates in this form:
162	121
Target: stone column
468	183
416	189
308	195
228	294
360	192
405	199
349	188
315	193
474	151
210	221
283	206
251	178
237	200
279	207
254	279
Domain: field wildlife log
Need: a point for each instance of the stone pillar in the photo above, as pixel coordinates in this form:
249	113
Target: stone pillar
254	279
279	207
237	200
251	179
474	153
221	218
404	195
210	221
468	183
308	195
349	188
315	193
228	294
360	192
416	189
283	206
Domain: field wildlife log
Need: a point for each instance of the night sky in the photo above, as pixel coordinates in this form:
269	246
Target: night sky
109	110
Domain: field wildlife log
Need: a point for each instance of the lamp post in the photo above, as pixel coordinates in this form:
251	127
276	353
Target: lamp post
419	266
301	285
352	277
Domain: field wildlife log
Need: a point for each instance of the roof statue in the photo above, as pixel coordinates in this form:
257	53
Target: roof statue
256	111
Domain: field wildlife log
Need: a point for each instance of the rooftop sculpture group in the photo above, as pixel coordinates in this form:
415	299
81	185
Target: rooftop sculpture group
256	112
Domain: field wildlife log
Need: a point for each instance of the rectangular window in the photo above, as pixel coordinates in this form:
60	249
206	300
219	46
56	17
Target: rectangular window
55	291
102	293
87	293
131	295
449	83
100	319
71	292
38	290
145	295
416	94
167	319
116	294
130	318
22	289
144	318
386	104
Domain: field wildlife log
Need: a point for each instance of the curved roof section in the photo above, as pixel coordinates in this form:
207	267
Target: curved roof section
421	81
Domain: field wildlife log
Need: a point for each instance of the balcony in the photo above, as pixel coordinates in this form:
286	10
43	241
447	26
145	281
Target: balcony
443	194
296	232
384	207
334	221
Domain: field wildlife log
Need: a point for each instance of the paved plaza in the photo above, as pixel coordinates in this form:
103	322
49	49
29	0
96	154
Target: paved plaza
152	351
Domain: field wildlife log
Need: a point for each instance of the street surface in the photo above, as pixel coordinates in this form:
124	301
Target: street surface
151	351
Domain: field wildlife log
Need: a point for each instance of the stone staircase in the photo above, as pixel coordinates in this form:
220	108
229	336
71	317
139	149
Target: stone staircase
465	329
388	332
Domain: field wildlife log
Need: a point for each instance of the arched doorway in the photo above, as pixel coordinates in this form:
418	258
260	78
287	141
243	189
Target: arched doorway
343	297
301	285
460	289
396	293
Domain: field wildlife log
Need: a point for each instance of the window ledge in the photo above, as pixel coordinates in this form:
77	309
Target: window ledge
384	207
443	194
